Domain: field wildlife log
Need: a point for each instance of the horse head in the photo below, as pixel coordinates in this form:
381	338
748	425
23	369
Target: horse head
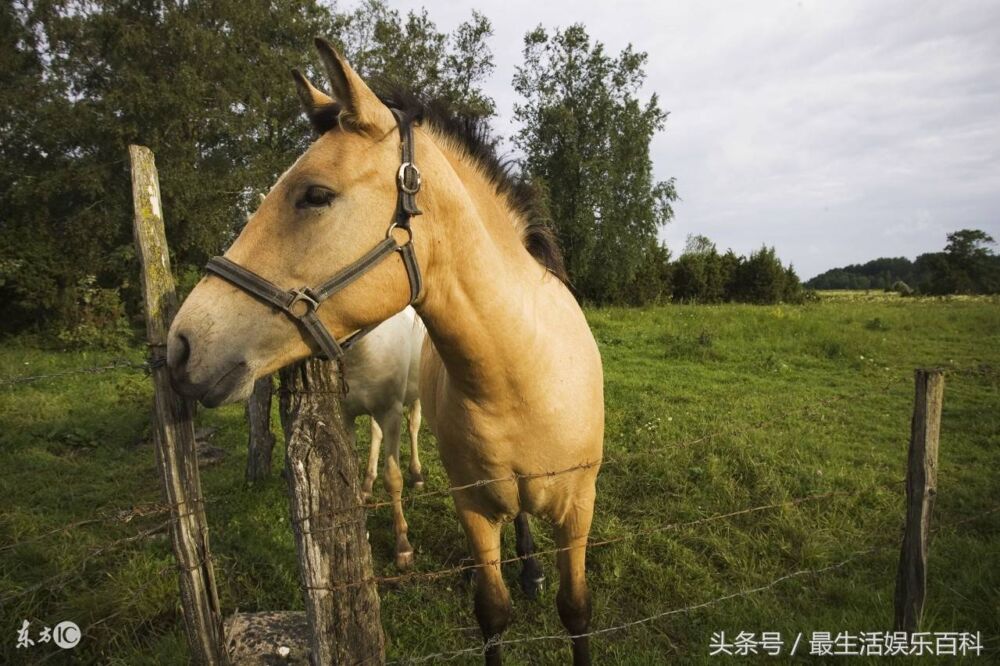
338	204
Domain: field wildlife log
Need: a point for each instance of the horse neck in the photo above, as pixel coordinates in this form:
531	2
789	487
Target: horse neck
481	284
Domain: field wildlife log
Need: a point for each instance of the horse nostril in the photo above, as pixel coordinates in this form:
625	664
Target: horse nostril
178	352
185	352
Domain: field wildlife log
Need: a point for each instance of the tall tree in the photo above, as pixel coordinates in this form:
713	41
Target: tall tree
585	138
387	47
206	86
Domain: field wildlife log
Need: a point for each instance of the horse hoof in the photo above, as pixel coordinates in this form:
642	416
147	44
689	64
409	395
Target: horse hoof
404	560
416	480
532	586
366	496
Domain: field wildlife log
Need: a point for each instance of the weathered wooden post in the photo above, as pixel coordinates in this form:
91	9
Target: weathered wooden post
328	519
260	443
921	487
173	427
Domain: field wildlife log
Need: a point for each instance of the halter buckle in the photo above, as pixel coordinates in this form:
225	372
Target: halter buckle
305	297
408	172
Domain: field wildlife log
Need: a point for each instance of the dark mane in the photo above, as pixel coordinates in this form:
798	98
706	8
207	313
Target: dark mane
476	138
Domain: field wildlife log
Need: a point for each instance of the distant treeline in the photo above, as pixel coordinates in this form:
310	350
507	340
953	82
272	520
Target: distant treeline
967	265
702	275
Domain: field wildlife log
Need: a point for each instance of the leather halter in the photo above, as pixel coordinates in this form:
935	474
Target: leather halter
301	304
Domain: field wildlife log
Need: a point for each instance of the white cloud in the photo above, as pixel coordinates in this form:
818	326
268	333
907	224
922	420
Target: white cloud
835	131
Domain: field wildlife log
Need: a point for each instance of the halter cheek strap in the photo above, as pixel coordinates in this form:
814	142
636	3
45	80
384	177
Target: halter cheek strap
302	304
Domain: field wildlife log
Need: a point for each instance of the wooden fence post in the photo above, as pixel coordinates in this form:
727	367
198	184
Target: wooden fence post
174	428
261	439
921	487
328	519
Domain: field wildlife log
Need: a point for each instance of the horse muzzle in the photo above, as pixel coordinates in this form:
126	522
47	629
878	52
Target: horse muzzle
228	380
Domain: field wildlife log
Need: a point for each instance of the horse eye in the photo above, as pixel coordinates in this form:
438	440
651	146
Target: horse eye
315	196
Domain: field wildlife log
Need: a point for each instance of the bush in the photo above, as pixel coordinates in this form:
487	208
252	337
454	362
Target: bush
97	318
901	288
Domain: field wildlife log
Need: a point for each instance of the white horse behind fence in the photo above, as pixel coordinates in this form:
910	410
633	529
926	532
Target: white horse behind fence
383	375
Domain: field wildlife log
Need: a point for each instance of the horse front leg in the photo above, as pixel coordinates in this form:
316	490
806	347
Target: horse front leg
493	607
391	423
532	577
573	598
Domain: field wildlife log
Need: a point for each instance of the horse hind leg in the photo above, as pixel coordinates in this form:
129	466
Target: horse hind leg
573	598
492	600
373	454
532	576
391	423
413	424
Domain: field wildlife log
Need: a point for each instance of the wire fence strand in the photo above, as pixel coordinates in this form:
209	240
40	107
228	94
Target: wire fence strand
498	641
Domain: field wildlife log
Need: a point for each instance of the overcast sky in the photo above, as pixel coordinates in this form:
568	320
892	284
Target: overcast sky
836	131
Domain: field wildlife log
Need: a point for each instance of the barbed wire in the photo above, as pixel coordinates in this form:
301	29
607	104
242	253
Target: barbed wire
411	499
111	546
461	568
498	641
126	515
117	364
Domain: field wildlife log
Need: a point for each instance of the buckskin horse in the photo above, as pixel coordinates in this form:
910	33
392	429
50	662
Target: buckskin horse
512	385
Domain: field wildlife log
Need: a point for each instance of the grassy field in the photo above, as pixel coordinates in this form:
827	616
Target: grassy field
711	409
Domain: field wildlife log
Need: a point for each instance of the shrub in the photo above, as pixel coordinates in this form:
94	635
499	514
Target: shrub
96	318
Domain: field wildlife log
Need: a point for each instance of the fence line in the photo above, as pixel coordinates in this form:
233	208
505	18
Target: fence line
107	547
86	559
604	462
494	641
117	364
498	641
126	515
441	573
446	656
479	649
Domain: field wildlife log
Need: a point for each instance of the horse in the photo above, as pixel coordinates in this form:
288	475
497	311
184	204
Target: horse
382	371
512	384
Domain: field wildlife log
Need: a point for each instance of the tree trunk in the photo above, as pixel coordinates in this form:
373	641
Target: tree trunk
327	517
261	440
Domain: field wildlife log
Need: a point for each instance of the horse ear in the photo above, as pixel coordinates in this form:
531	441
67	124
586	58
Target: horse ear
320	108
362	109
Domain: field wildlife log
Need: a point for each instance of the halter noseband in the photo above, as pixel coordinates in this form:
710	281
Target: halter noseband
301	304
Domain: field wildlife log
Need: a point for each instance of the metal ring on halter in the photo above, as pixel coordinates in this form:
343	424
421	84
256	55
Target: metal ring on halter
304	296
409	234
401	177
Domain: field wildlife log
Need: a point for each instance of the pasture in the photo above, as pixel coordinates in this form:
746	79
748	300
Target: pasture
711	410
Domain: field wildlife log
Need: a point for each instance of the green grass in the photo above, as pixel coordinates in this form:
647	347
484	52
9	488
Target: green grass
800	401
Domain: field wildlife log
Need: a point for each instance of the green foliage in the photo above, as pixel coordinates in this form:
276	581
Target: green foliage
384	46
702	275
585	138
901	288
97	318
206	87
967	265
